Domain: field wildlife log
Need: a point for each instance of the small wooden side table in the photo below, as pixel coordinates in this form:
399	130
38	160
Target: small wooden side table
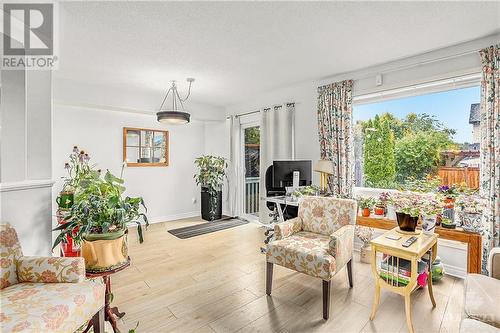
425	244
109	312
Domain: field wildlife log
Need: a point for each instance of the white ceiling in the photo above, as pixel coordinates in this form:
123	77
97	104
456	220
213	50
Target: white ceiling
239	49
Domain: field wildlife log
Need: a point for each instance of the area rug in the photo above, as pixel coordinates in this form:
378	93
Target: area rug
206	228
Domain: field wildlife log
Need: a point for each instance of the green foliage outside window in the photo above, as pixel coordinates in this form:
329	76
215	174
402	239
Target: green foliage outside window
252	135
379	163
399	150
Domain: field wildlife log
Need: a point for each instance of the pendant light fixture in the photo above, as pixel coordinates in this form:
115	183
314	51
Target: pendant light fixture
173	115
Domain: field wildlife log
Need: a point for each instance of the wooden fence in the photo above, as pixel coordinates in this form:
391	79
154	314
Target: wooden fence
450	176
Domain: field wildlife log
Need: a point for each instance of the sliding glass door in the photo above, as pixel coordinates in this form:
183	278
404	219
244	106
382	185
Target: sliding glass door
250	152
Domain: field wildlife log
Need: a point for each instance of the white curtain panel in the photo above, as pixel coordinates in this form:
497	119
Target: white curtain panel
234	169
276	143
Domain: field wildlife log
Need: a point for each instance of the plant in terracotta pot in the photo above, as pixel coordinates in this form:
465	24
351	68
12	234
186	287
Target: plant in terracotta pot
98	221
366	205
470	207
365	235
407	205
211	174
449	193
381	205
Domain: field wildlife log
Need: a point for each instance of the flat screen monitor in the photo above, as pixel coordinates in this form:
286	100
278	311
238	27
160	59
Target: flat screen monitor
283	172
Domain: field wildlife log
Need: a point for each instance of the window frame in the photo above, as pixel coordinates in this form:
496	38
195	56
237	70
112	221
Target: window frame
403	91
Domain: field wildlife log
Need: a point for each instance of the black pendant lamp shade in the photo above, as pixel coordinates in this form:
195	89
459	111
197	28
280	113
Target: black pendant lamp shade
174	115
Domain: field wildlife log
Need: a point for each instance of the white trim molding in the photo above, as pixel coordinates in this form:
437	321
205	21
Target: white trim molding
173	217
26	185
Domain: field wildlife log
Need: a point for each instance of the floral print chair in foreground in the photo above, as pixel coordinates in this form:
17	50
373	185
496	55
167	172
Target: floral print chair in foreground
45	294
318	242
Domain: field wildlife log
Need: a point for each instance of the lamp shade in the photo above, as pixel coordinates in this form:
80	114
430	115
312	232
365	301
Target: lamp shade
173	117
324	166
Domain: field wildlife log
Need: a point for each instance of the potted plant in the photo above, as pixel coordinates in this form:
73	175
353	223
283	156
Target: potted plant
448	223
365	235
306	190
366	205
77	169
449	193
470	208
407	206
381	206
211	174
99	218
431	206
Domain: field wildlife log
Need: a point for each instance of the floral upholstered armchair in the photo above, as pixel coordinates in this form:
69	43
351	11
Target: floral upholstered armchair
45	294
318	242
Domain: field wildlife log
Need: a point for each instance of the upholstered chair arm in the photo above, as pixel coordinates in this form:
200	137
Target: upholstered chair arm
494	263
51	269
287	228
340	245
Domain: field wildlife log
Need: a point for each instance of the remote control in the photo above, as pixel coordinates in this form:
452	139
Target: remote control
409	241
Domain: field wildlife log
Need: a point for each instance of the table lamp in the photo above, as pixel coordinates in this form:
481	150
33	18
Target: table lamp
325	168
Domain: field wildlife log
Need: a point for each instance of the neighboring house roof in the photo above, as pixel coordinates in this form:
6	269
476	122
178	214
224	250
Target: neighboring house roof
470	162
475	114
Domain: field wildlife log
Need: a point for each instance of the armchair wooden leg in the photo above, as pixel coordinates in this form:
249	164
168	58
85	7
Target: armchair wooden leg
98	321
269	278
349	272
326	299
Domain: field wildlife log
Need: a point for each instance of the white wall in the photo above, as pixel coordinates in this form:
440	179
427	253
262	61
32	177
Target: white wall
167	191
25	155
92	117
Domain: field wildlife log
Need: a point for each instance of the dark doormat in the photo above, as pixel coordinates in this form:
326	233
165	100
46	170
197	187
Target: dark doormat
206	228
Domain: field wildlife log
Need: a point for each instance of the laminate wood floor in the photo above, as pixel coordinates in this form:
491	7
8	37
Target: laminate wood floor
216	283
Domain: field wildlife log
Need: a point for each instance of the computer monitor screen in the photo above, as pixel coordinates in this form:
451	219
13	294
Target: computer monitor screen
283	172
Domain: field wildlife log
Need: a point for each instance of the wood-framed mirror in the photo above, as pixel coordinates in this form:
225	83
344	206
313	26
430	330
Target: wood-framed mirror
144	147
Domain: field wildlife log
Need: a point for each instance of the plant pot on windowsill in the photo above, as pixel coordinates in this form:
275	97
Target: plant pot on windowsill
379	210
471	221
365	212
406	222
106	251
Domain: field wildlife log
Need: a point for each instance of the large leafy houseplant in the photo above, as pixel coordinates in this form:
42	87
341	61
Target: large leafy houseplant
99	206
211	174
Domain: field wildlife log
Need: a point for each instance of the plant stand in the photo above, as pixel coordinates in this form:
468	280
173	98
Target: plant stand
110	313
425	246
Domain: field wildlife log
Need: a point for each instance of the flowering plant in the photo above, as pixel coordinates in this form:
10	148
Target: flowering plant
469	203
431	204
448	191
78	169
364	233
383	198
407	203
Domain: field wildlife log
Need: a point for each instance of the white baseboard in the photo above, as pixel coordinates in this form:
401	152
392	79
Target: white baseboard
173	217
455	271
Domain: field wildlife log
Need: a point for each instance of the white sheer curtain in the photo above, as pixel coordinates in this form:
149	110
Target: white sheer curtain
234	174
276	143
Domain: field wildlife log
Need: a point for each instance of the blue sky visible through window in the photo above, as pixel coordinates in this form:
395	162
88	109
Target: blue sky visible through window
451	107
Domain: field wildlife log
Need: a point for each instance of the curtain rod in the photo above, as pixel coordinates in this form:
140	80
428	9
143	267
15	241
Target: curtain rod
257	111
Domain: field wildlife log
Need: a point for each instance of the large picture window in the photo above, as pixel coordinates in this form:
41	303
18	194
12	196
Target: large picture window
406	140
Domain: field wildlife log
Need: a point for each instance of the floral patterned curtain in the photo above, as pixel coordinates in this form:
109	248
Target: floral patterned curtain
336	134
490	147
